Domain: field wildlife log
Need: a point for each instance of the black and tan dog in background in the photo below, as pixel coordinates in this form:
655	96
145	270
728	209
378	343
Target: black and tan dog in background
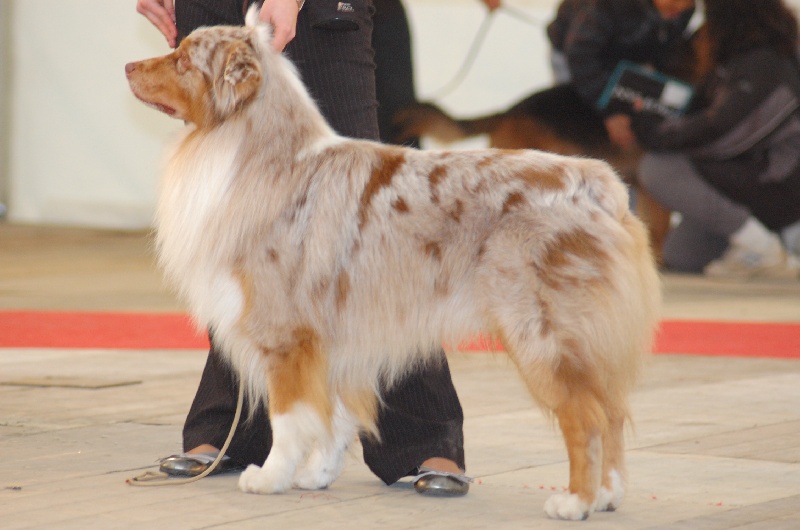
558	120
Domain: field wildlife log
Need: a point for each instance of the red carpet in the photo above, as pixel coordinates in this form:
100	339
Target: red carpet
134	331
46	329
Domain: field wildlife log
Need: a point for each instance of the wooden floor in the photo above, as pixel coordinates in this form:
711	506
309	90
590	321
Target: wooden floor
716	443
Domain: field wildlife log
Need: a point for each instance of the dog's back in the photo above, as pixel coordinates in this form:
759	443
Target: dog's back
413	234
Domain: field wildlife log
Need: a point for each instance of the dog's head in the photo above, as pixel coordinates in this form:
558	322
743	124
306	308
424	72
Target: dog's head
214	72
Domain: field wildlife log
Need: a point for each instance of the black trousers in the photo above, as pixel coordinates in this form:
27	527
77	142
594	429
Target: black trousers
422	417
394	76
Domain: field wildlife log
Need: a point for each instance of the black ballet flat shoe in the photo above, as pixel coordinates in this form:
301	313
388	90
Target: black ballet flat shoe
433	483
192	464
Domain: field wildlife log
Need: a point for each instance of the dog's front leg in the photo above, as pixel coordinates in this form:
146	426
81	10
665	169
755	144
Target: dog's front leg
293	434
299	410
355	409
328	457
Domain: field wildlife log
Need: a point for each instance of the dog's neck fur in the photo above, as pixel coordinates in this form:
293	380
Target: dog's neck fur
273	133
285	108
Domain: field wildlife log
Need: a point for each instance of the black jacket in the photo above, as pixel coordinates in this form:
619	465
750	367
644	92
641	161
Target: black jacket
595	35
744	134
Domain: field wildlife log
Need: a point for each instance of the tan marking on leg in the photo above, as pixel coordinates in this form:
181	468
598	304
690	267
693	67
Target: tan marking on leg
582	423
613	451
571	392
299	373
364	406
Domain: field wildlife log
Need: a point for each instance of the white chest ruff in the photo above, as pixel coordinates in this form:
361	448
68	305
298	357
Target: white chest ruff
192	197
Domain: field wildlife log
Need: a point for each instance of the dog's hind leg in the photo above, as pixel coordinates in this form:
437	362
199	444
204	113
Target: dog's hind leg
328	457
612	489
583	422
299	409
568	391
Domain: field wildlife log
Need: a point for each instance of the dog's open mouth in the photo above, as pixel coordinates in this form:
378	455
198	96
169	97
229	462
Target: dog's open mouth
169	111
166	109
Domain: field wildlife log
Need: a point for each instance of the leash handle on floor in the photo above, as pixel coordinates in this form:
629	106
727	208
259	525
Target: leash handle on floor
156	478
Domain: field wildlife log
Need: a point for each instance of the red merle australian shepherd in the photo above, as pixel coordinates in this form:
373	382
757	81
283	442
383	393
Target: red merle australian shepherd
325	264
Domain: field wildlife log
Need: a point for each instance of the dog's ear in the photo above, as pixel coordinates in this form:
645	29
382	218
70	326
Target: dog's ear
240	78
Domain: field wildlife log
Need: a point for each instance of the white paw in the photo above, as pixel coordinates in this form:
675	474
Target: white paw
319	472
567	506
307	479
258	480
609	500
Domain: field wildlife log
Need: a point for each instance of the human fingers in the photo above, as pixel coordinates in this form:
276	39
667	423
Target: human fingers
160	13
169	5
282	16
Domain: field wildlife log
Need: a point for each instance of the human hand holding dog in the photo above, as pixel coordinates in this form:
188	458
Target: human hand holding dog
282	16
162	15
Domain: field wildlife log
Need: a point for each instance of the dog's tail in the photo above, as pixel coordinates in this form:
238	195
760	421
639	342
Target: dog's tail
426	119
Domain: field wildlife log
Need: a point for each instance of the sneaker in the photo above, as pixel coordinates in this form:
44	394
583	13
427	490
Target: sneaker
739	263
